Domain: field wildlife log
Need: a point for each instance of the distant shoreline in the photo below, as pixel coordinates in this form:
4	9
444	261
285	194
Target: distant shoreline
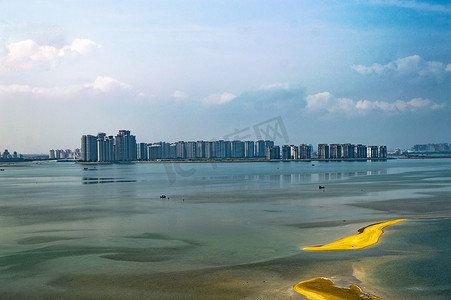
419	156
233	160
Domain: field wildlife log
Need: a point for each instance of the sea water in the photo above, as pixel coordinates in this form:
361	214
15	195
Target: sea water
61	219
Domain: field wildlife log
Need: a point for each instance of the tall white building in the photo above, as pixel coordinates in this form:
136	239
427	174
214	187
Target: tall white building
105	147
260	150
191	150
372	152
305	151
323	151
125	147
237	149
294	152
141	151
89	148
249	149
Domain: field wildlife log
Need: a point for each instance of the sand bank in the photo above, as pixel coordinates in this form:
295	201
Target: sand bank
323	288
368	236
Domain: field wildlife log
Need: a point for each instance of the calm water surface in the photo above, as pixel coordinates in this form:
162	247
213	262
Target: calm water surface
59	220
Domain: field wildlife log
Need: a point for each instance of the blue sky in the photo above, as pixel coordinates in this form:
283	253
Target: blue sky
372	72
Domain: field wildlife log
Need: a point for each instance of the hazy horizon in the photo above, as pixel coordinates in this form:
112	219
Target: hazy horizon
370	72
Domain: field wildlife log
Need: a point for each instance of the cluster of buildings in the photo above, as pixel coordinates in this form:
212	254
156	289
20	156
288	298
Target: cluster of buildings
220	149
123	148
6	155
290	152
65	154
339	151
442	147
103	148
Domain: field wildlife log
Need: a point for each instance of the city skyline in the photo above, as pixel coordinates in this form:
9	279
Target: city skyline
124	148
303	151
377	72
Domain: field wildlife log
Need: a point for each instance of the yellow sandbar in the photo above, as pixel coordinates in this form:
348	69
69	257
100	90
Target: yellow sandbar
367	237
325	289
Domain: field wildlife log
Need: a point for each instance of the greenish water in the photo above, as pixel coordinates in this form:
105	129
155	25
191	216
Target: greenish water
62	224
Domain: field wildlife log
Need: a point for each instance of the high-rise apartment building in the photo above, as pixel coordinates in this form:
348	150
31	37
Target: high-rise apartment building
228	149
180	149
172	151
260	150
154	151
208	149
89	148
305	151
323	151
335	151
269	143
125	147
249	150
105	148
273	152
219	149
382	151
237	149
286	152
372	152
200	149
165	150
141	151
294	152
360	151
191	150
347	150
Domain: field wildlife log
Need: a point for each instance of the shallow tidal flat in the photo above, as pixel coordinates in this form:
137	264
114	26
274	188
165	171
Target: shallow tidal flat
229	231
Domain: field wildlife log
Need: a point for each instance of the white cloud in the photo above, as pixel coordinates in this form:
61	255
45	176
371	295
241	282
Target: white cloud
272	86
416	5
179	95
99	85
108	84
219	98
328	103
408	65
374	68
14	89
27	55
448	68
79	47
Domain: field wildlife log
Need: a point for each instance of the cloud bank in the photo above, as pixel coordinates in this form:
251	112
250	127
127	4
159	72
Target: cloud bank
328	103
101	85
408	65
218	99
179	95
29	55
416	5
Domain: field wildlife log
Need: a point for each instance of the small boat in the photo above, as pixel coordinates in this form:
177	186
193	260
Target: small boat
163	196
321	187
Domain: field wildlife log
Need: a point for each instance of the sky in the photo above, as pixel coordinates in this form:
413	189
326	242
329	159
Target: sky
371	72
